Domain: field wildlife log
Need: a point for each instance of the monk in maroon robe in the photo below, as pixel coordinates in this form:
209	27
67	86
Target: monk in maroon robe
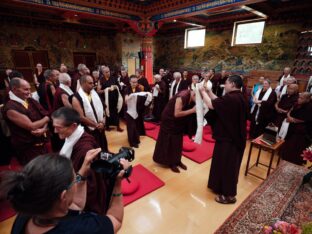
95	126
142	80
299	130
27	121
169	143
230	135
107	81
286	102
46	90
133	124
159	100
66	122
263	111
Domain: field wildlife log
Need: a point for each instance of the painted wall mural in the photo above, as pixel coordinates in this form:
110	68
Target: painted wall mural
59	44
277	50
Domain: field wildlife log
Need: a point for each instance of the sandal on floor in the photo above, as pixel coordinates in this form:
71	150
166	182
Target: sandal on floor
225	200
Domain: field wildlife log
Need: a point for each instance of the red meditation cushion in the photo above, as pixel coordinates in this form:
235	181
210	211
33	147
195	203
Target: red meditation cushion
149	126
208	138
189	146
129	188
207	130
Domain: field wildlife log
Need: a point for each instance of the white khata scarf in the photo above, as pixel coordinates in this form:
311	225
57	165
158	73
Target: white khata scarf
132	103
200	109
70	141
265	98
172	86
283	78
66	89
284	129
155	90
98	107
119	103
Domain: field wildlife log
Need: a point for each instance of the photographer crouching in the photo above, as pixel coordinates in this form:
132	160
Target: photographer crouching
50	197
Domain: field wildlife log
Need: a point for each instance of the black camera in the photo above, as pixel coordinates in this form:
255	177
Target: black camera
109	163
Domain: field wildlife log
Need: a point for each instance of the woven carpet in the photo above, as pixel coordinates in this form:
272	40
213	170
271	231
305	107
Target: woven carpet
269	201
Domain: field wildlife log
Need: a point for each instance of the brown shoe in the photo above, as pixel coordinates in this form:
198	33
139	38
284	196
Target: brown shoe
225	200
175	169
183	166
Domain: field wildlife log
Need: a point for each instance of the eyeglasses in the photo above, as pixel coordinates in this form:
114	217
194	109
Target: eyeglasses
77	180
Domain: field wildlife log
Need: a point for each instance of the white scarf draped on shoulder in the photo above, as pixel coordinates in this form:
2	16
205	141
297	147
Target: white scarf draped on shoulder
264	98
106	96
98	106
70	141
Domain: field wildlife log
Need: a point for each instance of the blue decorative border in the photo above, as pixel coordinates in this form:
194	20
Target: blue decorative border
80	8
199	7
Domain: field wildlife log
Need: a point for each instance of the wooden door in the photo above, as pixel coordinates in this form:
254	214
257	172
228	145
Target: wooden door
25	62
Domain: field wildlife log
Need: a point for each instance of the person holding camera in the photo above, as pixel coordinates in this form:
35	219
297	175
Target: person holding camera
66	123
50	197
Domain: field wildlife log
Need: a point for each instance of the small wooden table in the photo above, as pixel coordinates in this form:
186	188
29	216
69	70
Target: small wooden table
261	145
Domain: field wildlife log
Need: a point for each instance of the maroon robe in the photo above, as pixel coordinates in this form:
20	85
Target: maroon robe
99	135
215	80
74	80
143	81
297	138
230	135
46	97
160	100
26	145
266	115
97	185
57	143
58	103
113	118
169	143
286	103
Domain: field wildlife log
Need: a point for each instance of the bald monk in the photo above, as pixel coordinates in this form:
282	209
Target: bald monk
90	107
169	143
299	130
27	121
230	135
286	102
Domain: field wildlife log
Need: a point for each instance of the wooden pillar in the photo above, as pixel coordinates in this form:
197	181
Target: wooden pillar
147	60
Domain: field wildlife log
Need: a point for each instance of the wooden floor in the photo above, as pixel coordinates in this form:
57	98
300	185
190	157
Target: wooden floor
184	204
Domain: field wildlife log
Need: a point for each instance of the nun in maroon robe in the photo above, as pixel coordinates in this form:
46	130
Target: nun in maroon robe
299	130
169	143
265	115
286	102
